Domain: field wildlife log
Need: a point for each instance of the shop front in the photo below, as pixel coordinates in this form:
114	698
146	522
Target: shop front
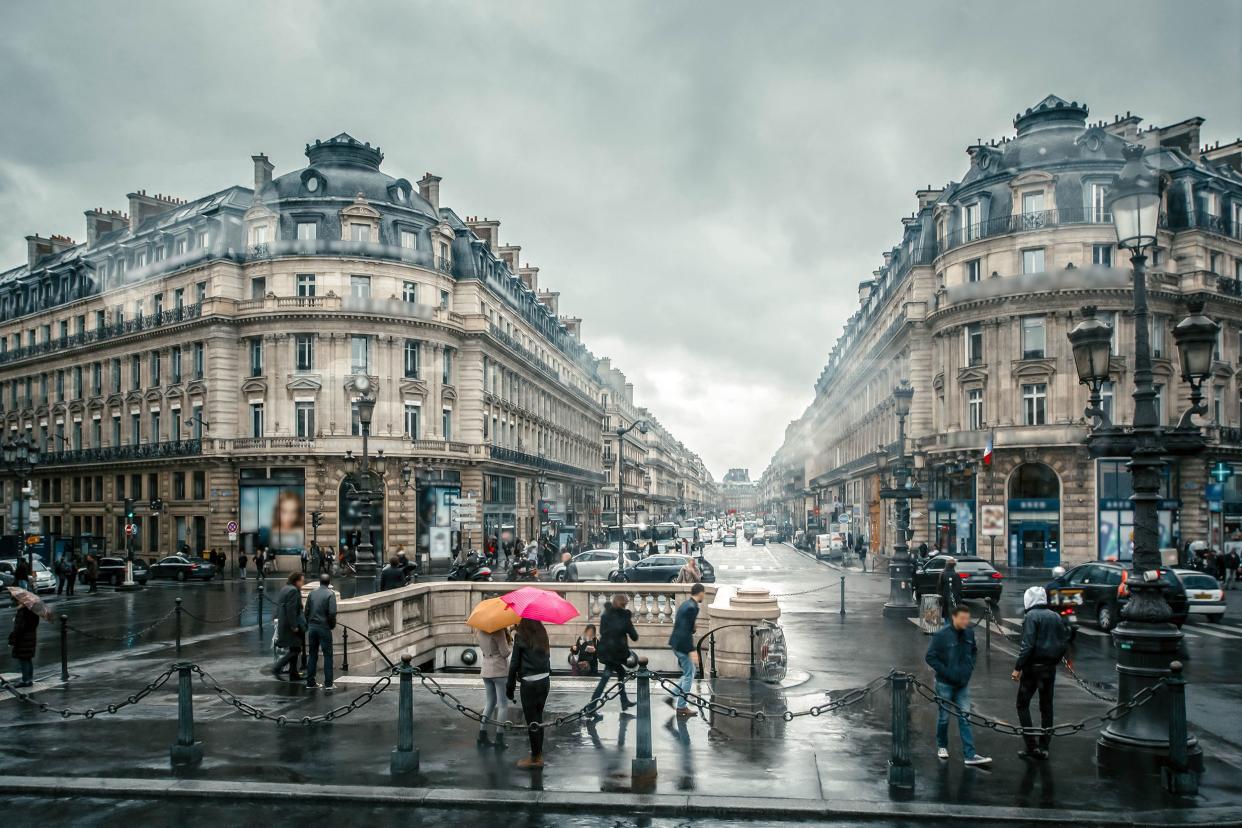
1034	509
951	510
1115	512
499	506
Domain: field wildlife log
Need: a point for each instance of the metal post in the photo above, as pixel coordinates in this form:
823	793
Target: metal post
345	650
185	751
64	648
900	771
259	616
1179	779
643	768
713	653
178	620
843	595
405	757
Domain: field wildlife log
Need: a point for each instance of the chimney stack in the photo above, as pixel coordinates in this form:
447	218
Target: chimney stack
429	188
529	276
143	206
100	223
39	248
509	254
488	230
262	174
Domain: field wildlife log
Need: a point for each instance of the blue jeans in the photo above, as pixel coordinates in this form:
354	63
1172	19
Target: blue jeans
27	666
319	639
961	697
687	677
609	672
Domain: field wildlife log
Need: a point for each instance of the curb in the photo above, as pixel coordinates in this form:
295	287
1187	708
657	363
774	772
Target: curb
571	802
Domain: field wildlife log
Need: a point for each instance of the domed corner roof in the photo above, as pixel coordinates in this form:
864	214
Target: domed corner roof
1052	111
345	167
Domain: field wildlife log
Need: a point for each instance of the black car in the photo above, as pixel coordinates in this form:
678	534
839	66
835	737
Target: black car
759	540
112	571
182	569
1098	591
728	539
979	578
663	569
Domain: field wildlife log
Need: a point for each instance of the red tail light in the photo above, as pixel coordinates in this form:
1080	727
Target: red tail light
1123	589
1067	611
963	575
996	576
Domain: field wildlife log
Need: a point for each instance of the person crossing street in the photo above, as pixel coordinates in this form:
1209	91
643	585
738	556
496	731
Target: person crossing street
682	644
951	655
1044	638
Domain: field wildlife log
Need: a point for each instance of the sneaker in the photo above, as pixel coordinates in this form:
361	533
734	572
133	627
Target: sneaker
311	684
687	712
627	705
942	753
329	687
979	760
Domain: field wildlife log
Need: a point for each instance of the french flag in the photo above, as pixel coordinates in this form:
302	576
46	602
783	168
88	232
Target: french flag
987	451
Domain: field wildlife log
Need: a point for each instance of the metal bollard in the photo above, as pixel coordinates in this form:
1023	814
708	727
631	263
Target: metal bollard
1178	777
345	650
643	768
843	595
260	613
900	771
185	751
405	757
64	648
178	619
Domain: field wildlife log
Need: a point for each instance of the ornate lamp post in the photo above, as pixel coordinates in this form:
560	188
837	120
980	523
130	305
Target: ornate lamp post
1146	639
641	425
365	489
900	568
21	455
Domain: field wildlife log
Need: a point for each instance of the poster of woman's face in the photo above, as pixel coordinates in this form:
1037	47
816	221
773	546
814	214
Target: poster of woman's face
276	515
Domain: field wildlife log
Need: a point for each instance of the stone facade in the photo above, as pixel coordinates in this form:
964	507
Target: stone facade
973	307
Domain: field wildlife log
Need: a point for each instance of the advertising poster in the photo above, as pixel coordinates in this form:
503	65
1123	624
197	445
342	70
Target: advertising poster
275	516
435	516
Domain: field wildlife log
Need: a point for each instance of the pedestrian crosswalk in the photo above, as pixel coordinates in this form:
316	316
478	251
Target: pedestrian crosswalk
741	568
1229	630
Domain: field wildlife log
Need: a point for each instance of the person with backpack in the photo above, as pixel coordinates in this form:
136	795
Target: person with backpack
1044	639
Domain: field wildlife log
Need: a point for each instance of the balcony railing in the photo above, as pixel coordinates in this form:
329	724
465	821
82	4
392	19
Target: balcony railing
114	330
1021	223
508	455
112	454
1221	225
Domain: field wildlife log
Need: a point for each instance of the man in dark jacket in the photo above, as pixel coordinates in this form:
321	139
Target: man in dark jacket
951	655
682	644
616	625
949	586
392	576
24	639
1043	645
320	621
290	625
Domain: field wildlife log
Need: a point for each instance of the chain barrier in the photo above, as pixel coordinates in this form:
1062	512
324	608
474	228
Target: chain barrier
1091	688
91	712
589	709
128	638
831	584
381	684
1068	729
254	599
848	698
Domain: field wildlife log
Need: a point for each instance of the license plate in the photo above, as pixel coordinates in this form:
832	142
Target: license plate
1203	596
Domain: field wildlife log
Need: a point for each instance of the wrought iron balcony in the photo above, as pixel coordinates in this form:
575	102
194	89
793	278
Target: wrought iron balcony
115	454
1021	223
508	455
114	330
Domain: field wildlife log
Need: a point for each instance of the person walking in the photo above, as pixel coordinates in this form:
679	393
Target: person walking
92	572
616	630
320	622
24	639
494	648
62	575
290	624
682	644
21	574
689	572
1231	568
530	666
392	576
241	565
951	655
1044	639
73	575
949	587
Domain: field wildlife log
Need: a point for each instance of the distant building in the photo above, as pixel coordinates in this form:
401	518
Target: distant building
738	493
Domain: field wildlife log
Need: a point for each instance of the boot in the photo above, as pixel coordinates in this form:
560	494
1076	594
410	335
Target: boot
482	740
499	744
530	762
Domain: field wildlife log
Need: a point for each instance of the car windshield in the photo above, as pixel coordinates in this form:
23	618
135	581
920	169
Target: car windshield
39	567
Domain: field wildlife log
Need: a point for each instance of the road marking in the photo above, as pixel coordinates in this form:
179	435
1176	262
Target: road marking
1213	633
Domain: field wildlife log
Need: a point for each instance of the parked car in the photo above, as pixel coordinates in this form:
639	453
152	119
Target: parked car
1204	595
663	569
729	539
979	578
1099	591
181	568
45	580
594	564
112	571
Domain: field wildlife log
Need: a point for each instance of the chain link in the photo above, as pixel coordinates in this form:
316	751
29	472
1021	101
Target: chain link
450	700
90	712
128	638
381	684
1090	723
829	585
253	600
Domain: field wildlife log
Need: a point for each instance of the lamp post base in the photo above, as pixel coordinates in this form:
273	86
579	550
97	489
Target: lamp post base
900	602
129	584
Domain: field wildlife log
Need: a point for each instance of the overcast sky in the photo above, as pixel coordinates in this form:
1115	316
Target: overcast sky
705	183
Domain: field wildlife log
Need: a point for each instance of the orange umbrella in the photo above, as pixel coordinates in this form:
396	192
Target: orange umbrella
492	615
35	604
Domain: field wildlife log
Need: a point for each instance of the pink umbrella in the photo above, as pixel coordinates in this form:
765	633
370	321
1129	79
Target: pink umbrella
540	605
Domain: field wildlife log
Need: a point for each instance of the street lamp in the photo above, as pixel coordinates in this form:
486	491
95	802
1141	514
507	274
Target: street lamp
21	455
641	425
364	490
900	568
1147	641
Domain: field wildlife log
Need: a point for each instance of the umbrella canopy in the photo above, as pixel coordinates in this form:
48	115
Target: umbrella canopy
492	615
540	605
31	602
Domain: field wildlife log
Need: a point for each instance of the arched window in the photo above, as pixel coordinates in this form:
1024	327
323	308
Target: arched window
1034	480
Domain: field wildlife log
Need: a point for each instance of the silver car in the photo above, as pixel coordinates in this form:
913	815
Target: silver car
594	564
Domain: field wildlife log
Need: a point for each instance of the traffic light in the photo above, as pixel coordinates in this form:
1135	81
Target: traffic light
129	510
156	505
316	519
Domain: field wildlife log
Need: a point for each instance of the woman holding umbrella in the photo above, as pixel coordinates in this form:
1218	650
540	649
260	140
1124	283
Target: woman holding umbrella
24	636
530	666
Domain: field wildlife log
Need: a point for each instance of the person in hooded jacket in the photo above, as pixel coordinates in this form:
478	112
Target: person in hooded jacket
615	626
1044	637
949	587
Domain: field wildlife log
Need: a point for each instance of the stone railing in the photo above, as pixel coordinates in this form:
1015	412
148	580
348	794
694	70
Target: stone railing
429	620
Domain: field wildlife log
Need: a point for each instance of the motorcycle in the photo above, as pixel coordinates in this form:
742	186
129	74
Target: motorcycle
473	569
523	569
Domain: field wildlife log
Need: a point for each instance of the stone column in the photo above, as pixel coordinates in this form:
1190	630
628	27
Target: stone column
745	607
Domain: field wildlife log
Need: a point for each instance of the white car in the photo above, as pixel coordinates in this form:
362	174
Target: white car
1203	594
594	564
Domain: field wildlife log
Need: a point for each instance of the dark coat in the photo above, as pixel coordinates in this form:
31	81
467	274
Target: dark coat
525	662
950	588
682	639
391	577
1044	638
290	623
615	626
951	655
24	636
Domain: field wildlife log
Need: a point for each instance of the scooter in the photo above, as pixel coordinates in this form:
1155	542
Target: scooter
474	569
523	569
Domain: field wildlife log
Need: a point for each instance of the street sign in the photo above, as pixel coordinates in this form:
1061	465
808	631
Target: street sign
131	528
231	528
232	537
992	520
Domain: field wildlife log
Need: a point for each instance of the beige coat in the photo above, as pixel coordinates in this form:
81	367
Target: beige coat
688	576
495	649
